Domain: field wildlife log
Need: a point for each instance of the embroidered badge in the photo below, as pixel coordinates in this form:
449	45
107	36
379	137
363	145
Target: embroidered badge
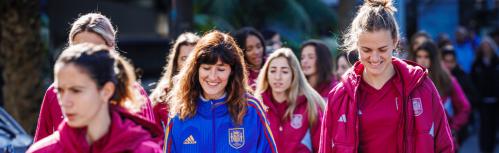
296	121
417	106
236	137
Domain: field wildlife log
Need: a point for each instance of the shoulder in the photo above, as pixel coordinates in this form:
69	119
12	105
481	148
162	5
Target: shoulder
47	144
337	92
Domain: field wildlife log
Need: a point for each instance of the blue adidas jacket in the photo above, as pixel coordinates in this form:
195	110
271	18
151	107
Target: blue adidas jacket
212	130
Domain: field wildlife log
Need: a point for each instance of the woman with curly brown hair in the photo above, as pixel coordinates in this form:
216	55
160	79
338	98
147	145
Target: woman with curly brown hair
210	108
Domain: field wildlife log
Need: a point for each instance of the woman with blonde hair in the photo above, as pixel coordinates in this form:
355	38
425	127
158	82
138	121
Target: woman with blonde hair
294	108
210	108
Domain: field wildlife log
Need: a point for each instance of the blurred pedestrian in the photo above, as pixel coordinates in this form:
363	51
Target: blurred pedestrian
272	40
485	74
464	49
253	46
456	104
317	65
181	49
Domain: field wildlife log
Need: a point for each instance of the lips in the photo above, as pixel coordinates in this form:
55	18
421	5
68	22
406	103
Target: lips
213	84
376	64
277	85
70	116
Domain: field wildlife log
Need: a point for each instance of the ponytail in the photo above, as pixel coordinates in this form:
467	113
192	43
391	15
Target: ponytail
126	93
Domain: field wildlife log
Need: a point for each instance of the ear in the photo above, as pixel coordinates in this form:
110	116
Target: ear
107	91
396	42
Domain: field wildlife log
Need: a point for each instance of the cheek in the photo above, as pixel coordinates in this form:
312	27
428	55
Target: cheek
289	78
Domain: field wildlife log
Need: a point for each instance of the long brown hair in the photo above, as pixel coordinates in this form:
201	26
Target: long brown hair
103	65
324	63
438	74
211	48
159	94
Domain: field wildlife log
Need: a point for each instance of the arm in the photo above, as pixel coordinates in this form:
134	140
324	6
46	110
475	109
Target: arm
461	104
442	135
325	144
45	126
169	146
266	143
316	132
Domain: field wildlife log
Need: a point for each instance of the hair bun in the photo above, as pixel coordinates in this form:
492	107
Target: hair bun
386	4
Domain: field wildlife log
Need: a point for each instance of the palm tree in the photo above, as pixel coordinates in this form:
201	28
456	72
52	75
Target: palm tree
22	57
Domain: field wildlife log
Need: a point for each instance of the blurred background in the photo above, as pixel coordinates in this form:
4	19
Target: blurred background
34	32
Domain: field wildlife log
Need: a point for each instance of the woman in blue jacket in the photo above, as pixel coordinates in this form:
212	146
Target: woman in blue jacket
210	108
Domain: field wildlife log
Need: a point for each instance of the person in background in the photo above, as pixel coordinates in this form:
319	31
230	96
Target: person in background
453	98
294	108
342	65
383	104
416	40
317	65
464	49
469	88
272	40
253	46
181	49
485	74
96	92
211	108
89	28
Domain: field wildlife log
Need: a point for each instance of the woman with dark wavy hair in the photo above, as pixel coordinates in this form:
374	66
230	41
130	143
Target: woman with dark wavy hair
210	107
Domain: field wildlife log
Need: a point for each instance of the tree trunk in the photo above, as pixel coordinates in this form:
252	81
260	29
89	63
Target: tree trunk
21	56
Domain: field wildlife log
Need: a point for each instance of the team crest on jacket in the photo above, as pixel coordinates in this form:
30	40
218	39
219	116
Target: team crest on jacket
236	137
417	106
296	121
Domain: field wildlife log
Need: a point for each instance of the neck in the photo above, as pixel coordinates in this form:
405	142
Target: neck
280	97
99	126
213	97
255	68
312	80
377	81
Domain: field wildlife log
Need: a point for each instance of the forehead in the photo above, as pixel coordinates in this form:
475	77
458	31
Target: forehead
279	62
309	49
71	74
218	63
375	39
252	39
88	37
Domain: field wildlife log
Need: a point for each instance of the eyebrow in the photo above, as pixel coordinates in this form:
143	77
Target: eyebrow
378	48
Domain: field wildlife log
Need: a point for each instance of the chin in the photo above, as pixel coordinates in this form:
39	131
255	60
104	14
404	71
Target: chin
75	124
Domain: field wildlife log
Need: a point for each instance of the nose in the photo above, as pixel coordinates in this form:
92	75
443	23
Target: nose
278	76
212	74
375	57
65	101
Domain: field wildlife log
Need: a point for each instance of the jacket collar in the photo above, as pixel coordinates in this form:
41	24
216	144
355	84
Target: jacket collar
210	107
